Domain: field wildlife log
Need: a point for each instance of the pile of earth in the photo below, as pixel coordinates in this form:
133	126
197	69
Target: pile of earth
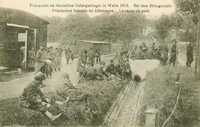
88	105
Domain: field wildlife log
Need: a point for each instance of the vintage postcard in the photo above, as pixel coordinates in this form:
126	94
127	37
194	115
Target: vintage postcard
100	63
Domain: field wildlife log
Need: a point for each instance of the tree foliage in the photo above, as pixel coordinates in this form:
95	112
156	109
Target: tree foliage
189	6
105	27
163	26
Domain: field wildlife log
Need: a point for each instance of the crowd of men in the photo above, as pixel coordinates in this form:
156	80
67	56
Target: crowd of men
161	52
48	60
90	66
150	52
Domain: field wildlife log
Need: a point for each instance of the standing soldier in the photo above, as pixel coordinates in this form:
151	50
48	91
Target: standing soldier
31	60
83	57
153	50
173	53
67	55
189	54
71	55
59	58
134	52
91	57
39	60
164	54
126	70
144	49
98	56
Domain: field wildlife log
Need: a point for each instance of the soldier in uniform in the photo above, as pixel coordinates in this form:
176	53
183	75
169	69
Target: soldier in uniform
173	53
71	55
102	69
67	56
189	54
98	56
144	49
84	56
39	59
126	70
31	54
91	57
68	85
164	55
111	68
33	98
153	50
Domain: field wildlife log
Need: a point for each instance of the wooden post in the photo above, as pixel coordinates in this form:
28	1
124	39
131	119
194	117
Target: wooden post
150	117
196	51
26	49
35	40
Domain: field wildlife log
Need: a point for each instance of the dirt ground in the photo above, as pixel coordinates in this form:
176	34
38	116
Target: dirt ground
15	87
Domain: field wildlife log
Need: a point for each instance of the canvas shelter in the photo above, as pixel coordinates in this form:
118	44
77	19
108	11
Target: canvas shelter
104	47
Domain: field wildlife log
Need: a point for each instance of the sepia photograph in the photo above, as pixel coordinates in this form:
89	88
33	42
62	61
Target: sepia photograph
98	63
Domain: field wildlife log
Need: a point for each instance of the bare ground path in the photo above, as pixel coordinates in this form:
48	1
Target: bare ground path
15	87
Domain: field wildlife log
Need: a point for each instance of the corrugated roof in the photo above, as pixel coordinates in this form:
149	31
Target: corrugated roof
20	17
95	42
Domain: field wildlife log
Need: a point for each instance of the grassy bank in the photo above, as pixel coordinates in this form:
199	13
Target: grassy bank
161	92
88	111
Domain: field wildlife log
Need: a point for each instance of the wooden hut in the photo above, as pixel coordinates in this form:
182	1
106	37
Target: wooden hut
102	46
19	33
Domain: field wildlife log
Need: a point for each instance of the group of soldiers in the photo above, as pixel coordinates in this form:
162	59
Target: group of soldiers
33	97
150	52
48	60
174	53
69	55
162	52
91	67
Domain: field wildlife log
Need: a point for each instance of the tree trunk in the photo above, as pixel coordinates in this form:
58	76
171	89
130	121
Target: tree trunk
198	53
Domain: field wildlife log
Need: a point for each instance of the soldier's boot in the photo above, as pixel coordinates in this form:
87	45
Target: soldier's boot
51	116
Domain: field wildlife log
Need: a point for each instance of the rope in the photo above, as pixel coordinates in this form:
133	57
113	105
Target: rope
174	109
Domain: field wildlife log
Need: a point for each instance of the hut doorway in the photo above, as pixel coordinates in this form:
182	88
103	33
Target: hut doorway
22	39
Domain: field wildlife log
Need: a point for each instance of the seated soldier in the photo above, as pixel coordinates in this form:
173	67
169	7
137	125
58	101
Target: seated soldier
81	69
126	71
91	73
102	69
33	98
118	70
67	82
67	86
111	68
